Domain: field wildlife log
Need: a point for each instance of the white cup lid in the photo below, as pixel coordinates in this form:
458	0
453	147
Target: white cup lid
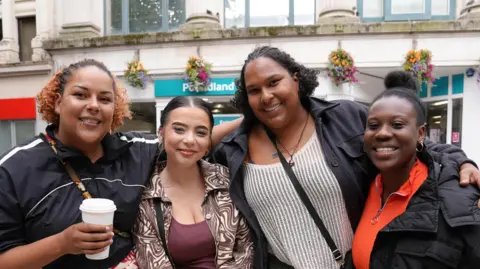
98	205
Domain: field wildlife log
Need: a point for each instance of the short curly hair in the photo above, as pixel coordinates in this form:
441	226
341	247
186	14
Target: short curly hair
307	78
47	96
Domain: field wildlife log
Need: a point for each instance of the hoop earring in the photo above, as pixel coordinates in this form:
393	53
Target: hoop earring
421	146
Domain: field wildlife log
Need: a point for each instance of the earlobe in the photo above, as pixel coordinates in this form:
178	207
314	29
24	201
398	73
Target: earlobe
58	100
295	77
421	133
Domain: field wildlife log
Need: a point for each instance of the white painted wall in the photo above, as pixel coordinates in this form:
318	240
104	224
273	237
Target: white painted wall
21	87
470	121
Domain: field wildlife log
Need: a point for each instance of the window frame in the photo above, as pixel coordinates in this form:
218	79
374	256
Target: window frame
22	43
449	97
125	17
13	131
389	17
291	13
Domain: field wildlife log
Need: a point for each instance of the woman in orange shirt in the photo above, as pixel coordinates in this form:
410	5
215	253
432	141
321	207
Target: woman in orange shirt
416	215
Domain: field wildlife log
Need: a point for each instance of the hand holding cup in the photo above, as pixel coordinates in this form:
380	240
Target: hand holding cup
85	238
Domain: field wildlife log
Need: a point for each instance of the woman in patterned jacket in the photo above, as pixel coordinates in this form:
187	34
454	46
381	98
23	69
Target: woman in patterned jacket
186	218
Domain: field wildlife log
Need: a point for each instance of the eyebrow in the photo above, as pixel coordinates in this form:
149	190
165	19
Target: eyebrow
86	89
184	125
268	78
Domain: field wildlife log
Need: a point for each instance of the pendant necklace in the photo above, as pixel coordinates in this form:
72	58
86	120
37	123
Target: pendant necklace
291	162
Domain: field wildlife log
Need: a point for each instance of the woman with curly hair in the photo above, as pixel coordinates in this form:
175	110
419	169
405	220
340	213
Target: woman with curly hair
43	182
297	164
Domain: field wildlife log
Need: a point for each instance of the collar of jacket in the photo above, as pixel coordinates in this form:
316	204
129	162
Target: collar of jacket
422	211
113	147
216	178
316	107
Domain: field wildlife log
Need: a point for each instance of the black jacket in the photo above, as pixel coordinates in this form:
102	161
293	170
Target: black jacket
440	228
340	126
38	198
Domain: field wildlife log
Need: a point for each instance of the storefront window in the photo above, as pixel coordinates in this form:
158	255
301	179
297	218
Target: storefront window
224	112
15	133
437	121
457	122
269	13
143	119
223	108
135	16
254	13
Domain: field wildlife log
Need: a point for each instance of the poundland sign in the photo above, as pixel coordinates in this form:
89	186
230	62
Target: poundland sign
178	87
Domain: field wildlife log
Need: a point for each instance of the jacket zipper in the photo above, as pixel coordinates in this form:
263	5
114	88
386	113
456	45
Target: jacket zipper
210	228
374	220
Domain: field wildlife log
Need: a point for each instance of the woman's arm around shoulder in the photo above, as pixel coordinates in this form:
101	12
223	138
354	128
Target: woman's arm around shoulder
222	130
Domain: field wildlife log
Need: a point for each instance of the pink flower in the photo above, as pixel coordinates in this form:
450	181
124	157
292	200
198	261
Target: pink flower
203	76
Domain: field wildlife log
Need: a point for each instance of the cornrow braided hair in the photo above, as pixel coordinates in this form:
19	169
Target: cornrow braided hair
56	85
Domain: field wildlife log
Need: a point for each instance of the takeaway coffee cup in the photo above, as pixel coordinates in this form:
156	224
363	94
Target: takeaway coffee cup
98	211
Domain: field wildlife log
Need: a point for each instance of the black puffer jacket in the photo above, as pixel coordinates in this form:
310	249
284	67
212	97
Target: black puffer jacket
440	228
39	199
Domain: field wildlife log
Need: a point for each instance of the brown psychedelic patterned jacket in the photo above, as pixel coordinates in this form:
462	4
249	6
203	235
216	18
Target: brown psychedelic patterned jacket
230	231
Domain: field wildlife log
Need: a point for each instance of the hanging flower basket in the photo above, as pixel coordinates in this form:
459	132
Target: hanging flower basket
341	67
197	74
419	63
136	75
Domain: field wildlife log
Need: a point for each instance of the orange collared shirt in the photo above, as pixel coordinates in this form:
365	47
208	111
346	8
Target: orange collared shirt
375	218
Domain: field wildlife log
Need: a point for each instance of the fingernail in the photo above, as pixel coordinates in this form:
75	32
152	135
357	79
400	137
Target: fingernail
107	228
112	234
111	241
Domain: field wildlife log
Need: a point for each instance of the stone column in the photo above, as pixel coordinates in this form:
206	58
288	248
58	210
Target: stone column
471	10
338	11
44	29
79	18
9	49
203	14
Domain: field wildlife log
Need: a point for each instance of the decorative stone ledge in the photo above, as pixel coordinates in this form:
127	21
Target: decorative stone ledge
25	69
206	34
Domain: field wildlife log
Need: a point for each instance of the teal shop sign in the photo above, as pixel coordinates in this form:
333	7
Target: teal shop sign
178	87
222	118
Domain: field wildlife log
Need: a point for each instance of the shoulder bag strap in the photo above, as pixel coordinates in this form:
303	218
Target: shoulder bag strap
161	228
76	179
337	255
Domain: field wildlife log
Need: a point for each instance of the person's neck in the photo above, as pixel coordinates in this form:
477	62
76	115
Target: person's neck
182	176
394	179
92	151
292	130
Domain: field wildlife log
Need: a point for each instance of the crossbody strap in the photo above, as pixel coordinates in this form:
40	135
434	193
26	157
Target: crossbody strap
337	255
76	179
161	228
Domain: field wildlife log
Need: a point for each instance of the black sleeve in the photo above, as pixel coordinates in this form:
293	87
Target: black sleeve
471	238
454	153
218	155
12	233
147	143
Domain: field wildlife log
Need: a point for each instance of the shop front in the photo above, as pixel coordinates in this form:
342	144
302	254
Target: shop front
219	94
